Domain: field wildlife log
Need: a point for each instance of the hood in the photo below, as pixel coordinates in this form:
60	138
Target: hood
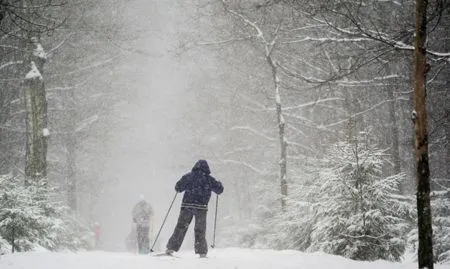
203	166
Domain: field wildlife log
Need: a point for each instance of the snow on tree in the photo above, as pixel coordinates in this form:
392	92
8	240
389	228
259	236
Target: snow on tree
440	206
360	213
30	218
5	247
19	216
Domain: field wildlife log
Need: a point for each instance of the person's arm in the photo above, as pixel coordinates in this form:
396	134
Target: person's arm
182	184
150	210
134	214
216	186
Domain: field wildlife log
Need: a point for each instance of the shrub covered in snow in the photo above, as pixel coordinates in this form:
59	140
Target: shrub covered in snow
31	218
5	247
360	213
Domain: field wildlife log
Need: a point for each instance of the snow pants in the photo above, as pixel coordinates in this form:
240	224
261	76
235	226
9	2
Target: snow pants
143	239
185	218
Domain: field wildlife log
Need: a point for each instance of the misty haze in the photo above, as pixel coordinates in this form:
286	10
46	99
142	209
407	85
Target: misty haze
224	134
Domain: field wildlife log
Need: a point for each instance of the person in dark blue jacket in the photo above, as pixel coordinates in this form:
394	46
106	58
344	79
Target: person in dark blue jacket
197	186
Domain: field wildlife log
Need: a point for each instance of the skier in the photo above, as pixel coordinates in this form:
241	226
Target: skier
197	186
141	214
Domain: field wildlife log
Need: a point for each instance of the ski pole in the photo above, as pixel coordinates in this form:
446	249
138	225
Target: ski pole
215	222
164	221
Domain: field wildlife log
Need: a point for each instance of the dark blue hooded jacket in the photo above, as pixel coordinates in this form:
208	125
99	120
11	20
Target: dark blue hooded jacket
197	186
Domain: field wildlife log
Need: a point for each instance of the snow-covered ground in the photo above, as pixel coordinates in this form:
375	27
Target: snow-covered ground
230	258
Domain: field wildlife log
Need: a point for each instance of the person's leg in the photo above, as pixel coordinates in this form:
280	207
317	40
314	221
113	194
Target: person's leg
140	238
146	240
177	237
201	246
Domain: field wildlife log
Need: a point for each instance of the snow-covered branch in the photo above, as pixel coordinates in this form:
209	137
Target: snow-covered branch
268	46
10	47
365	35
60	44
296	74
253	101
237	150
313	103
252	130
245	164
300	145
225	41
92	66
246	20
86	122
357	114
327	39
9	64
298	131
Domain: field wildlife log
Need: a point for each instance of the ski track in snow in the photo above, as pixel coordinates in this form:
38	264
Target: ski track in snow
230	258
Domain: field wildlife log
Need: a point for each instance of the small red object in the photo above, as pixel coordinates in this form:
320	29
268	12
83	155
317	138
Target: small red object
97	231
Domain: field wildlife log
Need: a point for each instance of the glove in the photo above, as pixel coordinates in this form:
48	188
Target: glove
177	188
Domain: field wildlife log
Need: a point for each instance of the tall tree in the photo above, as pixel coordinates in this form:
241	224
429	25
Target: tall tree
269	44
419	117
36	111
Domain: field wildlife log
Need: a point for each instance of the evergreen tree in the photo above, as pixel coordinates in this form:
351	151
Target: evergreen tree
440	206
360	213
30	217
20	218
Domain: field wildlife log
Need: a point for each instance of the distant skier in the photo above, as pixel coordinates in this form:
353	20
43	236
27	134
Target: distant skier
141	214
197	186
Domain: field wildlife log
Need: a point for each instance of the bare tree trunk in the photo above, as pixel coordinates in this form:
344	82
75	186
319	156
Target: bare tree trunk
36	112
281	132
425	250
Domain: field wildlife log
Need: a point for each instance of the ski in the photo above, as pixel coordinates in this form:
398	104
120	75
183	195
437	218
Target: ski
163	254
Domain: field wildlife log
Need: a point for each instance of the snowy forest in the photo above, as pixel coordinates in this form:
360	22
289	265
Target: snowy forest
327	121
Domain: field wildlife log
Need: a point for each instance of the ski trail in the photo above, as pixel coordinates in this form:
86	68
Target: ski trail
232	258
